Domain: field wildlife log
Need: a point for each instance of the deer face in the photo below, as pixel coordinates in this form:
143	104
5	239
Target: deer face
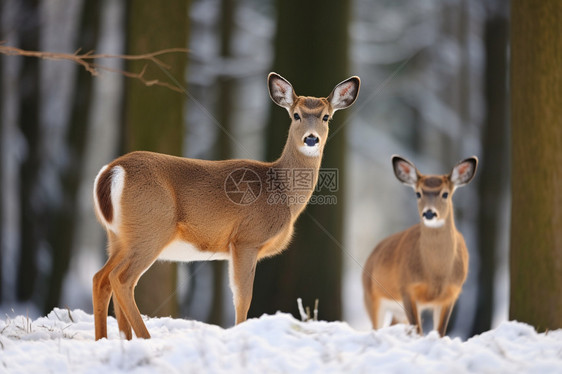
434	199
434	192
310	115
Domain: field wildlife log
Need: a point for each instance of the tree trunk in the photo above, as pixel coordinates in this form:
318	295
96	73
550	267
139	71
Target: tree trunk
2	151
154	118
224	146
311	49
536	113
64	225
32	209
494	171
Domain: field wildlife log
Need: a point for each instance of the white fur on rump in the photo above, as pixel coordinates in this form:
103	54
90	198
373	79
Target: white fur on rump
96	203
117	184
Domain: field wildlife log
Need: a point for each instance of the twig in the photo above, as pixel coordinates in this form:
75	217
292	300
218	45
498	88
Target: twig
86	60
301	310
316	310
69	314
305	314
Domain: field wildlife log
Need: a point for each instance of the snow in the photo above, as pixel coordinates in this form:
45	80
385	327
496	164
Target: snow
63	342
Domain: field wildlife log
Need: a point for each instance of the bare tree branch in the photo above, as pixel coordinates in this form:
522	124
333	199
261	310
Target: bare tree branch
86	60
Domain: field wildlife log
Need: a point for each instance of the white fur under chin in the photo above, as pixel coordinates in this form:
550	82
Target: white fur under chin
309	151
433	223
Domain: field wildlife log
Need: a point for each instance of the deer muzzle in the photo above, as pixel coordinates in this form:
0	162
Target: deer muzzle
429	214
311	140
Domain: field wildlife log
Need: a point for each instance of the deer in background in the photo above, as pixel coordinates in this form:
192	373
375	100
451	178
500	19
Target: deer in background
426	265
159	207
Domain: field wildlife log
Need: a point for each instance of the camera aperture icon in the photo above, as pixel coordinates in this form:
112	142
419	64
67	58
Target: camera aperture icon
242	186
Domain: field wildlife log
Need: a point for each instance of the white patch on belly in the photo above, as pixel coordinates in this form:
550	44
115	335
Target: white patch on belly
186	252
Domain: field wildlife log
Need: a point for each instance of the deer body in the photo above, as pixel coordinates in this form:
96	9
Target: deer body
426	265
161	207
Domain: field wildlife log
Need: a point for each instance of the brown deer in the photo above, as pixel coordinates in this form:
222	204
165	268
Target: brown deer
160	207
426	265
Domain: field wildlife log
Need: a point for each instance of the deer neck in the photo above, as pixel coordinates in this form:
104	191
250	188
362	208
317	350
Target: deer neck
291	164
438	246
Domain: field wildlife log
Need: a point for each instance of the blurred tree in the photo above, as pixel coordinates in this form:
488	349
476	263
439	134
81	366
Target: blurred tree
494	170
63	227
536	182
154	118
1	167
32	207
224	146
311	51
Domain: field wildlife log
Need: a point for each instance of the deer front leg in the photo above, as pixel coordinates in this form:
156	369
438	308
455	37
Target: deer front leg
242	271
441	318
411	309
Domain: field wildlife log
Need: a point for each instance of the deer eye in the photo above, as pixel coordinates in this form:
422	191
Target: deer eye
445	195
326	118
418	195
297	117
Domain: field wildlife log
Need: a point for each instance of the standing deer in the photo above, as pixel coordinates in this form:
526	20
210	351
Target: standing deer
426	265
160	207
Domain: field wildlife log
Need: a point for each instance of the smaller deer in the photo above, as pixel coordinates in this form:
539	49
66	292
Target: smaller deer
425	266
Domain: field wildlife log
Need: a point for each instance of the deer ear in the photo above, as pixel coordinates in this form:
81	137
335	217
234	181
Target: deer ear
405	171
345	93
281	91
464	171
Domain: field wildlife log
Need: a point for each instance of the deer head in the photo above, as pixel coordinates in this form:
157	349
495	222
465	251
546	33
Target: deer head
310	115
434	192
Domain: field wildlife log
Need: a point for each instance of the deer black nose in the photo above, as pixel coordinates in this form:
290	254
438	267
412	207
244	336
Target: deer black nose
429	214
311	140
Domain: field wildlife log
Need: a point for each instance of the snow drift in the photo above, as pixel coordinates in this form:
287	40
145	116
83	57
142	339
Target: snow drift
63	342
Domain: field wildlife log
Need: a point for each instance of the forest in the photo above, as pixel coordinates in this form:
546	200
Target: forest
440	81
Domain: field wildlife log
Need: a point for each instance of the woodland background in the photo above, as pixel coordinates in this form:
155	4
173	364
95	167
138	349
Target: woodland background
436	83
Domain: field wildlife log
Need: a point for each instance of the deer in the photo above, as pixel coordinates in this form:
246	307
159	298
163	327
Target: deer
424	266
160	207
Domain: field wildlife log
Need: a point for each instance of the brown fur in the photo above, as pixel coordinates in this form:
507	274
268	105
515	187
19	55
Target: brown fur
103	194
167	198
433	182
420	265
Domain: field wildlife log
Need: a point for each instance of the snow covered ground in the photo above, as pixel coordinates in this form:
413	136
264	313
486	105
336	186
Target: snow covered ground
63	342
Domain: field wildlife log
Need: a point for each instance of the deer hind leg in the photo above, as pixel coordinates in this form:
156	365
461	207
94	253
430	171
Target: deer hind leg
242	270
122	321
123	280
101	293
